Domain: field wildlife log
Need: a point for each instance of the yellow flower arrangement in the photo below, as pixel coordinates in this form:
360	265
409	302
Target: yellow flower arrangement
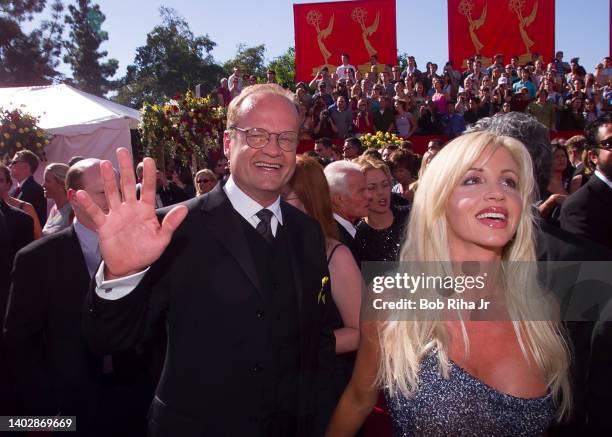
380	139
19	130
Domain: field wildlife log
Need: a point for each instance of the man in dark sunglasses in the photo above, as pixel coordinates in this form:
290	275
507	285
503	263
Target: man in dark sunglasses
587	212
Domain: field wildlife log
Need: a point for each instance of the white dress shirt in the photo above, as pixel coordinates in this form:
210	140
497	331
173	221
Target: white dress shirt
350	228
243	204
89	242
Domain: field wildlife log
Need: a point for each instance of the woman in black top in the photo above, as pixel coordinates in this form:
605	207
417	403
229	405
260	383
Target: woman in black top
379	234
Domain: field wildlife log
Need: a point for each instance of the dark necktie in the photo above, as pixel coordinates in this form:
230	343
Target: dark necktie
17	191
264	226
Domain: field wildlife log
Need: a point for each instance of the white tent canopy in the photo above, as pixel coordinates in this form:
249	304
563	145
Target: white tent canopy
82	124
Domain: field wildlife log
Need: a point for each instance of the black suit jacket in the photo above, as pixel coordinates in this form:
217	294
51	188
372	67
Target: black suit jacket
52	368
34	194
554	244
20	229
349	241
206	287
587	212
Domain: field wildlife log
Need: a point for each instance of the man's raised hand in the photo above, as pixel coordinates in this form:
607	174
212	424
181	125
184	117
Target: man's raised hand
131	237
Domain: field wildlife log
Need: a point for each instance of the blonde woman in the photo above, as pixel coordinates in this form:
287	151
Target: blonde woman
445	376
61	215
204	181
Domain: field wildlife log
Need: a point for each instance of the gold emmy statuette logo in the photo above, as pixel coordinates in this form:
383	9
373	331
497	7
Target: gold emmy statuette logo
517	7
314	18
465	8
359	16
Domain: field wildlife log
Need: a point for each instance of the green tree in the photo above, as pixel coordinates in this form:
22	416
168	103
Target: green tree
89	73
250	60
29	58
402	60
284	66
172	61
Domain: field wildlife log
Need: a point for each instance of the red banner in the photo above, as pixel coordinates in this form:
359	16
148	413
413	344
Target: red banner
509	27
323	31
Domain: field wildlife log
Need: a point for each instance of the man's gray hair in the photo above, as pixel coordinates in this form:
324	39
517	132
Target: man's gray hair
336	173
533	134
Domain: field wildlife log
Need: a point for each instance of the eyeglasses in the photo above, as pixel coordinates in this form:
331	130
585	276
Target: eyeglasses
605	144
258	138
203	181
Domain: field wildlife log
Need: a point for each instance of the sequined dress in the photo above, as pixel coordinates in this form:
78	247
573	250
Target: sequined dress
382	245
464	406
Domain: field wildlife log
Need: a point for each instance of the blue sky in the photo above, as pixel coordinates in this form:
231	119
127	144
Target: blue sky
582	27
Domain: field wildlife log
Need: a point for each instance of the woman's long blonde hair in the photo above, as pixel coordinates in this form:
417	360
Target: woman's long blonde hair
403	344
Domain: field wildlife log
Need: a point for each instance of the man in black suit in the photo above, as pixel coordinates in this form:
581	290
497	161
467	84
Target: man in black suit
52	369
19	232
350	200
236	274
588	211
23	166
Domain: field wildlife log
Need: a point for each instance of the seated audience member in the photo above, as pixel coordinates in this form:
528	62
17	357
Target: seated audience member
571	115
6	183
453	121
543	110
387	151
323	123
350	200
405	124
323	76
52	368
204	181
521	100
363	122
471	114
60	216
384	118
324	94
23	165
404	167
525	82
380	233
342	118
352	148
324	149
430	121
343	70
308	191
301	95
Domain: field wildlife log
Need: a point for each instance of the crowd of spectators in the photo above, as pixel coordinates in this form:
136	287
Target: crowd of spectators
347	102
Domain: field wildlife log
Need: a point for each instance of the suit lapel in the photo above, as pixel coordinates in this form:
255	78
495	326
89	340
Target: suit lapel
223	223
295	247
76	259
601	190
